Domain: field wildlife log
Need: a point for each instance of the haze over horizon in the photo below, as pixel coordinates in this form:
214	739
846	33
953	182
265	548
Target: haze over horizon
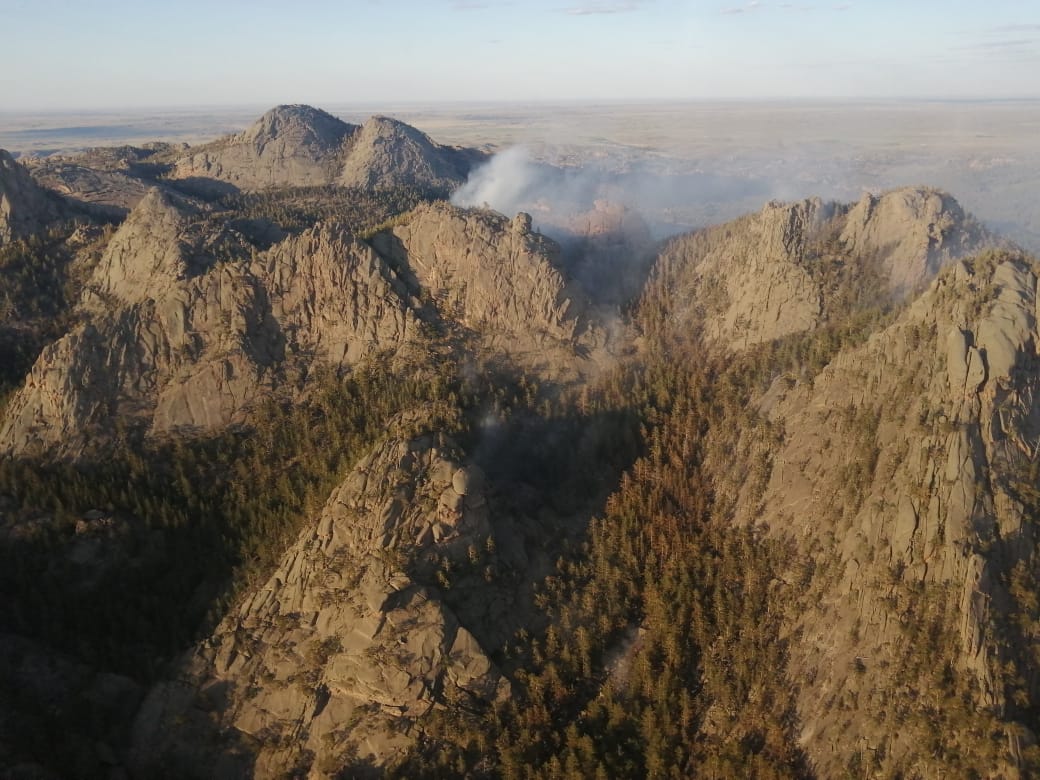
67	56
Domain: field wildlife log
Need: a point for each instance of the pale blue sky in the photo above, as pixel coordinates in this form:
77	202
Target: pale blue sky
135	53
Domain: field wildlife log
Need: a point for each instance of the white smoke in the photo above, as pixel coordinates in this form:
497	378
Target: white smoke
503	183
553	189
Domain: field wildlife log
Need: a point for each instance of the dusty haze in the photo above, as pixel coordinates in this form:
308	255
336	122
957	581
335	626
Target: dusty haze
687	164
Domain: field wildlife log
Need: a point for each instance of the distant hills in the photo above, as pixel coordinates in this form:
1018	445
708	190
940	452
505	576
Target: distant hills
295	146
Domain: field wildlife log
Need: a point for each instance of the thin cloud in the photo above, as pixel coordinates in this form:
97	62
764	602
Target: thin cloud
754	5
1015	43
598	9
1016	28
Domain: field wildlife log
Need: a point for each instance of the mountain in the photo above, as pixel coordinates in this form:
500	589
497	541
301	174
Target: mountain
344	480
173	338
772	274
291	146
903	476
186	325
24	207
389	153
299	146
343	632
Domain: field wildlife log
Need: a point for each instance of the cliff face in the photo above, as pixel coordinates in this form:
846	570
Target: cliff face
914	232
334	661
24	206
770	274
493	275
903	473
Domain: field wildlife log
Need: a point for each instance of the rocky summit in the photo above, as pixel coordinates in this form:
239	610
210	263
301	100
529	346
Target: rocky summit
287	146
300	146
305	472
389	153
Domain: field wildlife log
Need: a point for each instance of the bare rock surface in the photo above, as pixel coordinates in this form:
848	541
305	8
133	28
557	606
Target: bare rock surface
104	192
899	476
106	181
176	336
495	277
390	153
338	657
297	146
768	275
914	231
288	146
24	207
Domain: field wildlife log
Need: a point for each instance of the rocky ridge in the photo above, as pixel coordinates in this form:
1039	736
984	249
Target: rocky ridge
766	275
175	340
186	325
343	651
899	474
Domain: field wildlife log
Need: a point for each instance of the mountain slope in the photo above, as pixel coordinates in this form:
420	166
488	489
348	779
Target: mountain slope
904	473
176	340
24	206
335	657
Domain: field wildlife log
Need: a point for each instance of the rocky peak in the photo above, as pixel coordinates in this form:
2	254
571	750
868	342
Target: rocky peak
298	126
288	146
390	153
906	478
345	650
915	231
147	254
777	272
174	340
493	275
24	206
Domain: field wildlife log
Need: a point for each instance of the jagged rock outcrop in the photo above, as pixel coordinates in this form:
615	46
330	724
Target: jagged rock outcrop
24	207
772	274
186	324
389	153
496	277
914	231
176	338
903	478
332	664
288	146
